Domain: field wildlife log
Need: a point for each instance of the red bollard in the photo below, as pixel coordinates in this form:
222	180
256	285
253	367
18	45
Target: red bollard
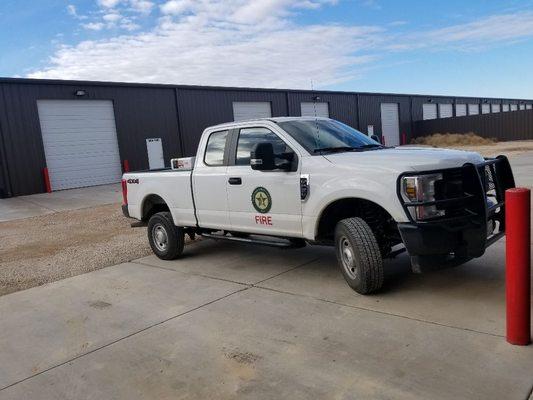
518	265
46	177
126	166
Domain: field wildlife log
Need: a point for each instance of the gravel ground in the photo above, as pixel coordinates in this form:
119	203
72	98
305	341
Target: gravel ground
34	251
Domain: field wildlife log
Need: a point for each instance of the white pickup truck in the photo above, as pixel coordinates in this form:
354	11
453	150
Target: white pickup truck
289	181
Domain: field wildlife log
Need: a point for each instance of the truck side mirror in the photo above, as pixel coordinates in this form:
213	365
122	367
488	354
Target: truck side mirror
262	157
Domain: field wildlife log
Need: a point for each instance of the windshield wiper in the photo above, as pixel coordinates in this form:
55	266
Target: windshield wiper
335	149
370	146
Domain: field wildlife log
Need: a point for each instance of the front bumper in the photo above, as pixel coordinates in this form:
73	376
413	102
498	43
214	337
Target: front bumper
478	218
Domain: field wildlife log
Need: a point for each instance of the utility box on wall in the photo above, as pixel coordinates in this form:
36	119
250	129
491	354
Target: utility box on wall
154	148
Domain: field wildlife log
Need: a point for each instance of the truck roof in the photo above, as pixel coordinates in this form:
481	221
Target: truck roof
272	119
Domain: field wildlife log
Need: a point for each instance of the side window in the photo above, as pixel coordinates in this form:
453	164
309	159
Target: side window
249	137
214	151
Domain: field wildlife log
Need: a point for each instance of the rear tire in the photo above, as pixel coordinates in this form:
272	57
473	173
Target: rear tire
166	239
358	255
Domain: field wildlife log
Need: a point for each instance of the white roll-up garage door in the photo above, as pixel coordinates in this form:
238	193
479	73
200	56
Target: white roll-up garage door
445	110
522	106
390	123
473	109
80	142
495	108
244	110
528	106
460	110
485	108
429	111
514	107
310	109
505	107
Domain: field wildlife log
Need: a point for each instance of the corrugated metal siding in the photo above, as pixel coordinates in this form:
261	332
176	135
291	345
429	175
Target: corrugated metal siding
150	110
200	108
503	126
140	113
370	112
5	188
342	107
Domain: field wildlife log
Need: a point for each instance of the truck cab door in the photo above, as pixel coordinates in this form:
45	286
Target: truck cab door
263	202
209	182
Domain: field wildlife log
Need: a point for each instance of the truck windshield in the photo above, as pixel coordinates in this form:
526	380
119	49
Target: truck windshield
326	135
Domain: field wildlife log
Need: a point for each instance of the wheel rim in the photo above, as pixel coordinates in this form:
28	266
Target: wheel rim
347	256
160	237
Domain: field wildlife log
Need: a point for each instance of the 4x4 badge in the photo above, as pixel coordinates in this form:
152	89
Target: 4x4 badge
261	200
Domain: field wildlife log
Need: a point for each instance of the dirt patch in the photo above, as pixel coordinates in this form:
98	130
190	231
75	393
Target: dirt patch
477	144
454	139
47	248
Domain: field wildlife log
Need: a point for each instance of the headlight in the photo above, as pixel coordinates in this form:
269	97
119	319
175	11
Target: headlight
420	189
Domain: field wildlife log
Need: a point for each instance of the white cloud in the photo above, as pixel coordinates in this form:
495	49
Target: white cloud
476	35
129	25
175	7
142	6
195	48
257	43
109	3
94	26
71	9
112	17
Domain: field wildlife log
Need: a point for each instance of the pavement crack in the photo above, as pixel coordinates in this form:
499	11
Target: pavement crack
380	312
289	270
39	205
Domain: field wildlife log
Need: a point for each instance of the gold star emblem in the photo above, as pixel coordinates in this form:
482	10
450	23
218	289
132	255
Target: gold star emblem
262	200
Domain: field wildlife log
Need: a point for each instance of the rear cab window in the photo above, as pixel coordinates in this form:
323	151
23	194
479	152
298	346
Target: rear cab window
215	149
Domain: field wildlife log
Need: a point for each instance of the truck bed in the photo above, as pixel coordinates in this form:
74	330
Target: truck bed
173	186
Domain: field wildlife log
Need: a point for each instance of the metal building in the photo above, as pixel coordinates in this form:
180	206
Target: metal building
86	133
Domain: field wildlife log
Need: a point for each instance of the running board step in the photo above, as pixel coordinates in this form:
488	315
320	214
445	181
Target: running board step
285	244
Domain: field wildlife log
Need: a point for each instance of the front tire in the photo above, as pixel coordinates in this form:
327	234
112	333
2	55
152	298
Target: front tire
166	239
358	255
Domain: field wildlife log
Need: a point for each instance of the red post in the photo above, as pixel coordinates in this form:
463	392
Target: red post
404	138
383	140
518	265
46	177
126	166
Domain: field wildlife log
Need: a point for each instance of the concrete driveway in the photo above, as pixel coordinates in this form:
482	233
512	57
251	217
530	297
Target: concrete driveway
63	200
236	321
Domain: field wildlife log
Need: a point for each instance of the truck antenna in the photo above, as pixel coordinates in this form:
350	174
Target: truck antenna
315	98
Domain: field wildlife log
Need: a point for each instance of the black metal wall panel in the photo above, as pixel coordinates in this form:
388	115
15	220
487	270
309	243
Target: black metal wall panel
342	107
5	188
370	112
201	108
513	125
140	113
179	114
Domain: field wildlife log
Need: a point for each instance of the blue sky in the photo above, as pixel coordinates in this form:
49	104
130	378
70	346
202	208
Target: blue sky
477	48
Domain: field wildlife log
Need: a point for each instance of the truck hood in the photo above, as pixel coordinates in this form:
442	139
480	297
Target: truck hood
401	159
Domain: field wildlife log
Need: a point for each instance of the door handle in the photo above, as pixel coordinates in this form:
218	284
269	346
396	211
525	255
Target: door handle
235	181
